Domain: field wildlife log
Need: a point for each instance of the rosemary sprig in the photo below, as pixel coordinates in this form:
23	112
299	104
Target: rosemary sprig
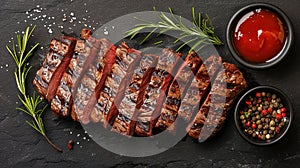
31	103
199	34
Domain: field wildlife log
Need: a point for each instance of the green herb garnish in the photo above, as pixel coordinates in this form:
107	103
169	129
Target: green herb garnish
201	33
31	103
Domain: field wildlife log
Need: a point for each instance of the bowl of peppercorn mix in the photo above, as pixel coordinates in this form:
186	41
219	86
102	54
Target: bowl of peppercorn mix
263	115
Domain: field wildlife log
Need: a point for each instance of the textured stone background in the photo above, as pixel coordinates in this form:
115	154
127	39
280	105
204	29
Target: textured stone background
21	146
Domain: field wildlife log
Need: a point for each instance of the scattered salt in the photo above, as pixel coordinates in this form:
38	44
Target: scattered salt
50	31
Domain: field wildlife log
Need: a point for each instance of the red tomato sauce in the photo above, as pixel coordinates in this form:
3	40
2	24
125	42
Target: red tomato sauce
259	36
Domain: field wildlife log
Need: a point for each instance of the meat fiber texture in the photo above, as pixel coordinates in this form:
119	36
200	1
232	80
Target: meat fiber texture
134	94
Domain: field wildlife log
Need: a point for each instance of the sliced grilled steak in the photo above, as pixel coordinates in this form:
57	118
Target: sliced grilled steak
177	90
199	88
57	60
212	114
114	87
151	101
125	121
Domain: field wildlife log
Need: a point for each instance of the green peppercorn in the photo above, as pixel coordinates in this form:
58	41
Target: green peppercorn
257	117
258	122
272	128
242	117
259	126
274	96
263	94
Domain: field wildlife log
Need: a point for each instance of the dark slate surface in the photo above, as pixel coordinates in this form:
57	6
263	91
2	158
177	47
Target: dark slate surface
21	146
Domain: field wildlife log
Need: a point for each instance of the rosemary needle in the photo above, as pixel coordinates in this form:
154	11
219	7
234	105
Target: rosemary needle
31	103
199	34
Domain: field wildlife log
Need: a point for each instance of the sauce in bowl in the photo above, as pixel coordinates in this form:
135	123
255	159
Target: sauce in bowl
259	36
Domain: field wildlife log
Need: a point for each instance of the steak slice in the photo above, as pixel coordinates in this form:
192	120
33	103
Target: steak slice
177	90
125	121
152	99
199	88
91	77
62	101
212	114
114	87
57	59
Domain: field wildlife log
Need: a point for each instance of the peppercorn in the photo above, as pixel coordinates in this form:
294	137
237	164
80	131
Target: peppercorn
277	130
268	136
265	132
258	94
258	122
